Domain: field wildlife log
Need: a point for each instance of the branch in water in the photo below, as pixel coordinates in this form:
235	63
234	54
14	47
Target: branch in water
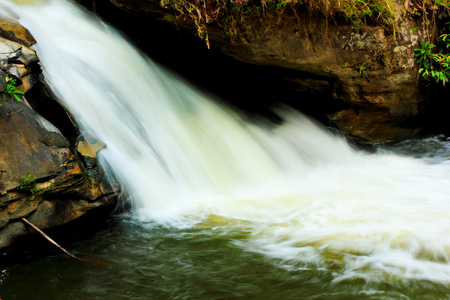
56	244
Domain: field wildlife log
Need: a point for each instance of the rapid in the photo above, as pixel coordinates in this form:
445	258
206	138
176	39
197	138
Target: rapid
294	194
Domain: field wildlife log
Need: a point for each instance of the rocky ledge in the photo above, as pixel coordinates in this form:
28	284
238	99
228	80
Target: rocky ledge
46	177
366	75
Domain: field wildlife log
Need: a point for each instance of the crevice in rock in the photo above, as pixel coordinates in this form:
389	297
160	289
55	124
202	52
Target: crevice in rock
43	103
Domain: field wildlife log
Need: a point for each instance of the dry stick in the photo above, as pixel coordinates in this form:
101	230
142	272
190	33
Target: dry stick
56	244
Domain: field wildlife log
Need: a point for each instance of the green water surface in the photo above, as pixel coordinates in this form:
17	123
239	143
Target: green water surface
144	260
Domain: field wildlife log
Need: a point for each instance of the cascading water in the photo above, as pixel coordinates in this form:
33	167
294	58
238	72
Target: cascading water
300	194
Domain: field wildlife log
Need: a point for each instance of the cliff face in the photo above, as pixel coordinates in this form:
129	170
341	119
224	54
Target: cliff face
366	72
42	175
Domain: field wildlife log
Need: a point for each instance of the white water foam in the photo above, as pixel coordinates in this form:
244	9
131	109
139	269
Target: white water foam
304	196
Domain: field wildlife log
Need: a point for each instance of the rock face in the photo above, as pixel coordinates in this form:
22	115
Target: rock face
41	177
369	73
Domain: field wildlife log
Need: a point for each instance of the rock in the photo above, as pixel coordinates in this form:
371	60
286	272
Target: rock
23	147
16	61
88	147
371	125
40	174
40	177
11	30
100	182
363	68
10	51
28	81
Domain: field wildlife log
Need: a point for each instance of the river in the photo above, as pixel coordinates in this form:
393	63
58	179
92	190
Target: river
223	208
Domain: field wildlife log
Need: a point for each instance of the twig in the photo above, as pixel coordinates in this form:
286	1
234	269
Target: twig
56	244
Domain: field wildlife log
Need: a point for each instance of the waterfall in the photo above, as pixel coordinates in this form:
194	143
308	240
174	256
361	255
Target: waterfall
303	195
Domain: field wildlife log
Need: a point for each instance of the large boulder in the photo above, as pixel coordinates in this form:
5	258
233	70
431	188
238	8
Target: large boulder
42	177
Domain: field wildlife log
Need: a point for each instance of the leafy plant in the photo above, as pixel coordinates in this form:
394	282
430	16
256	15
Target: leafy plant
11	90
434	61
29	184
361	68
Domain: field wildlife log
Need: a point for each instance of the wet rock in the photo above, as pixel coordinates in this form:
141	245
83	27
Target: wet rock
11	30
41	178
40	174
101	181
364	68
88	147
371	125
16	62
